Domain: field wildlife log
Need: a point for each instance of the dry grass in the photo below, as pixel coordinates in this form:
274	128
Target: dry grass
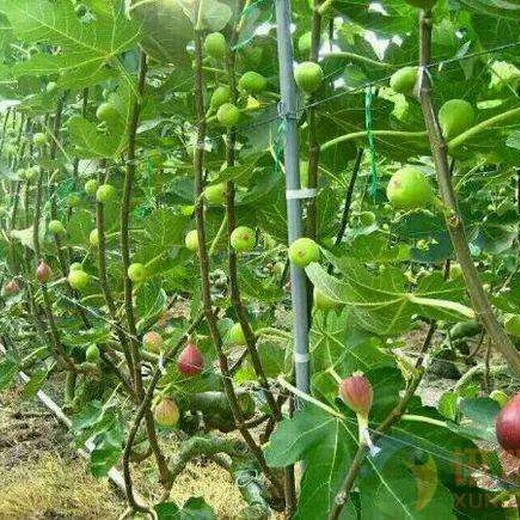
41	477
50	487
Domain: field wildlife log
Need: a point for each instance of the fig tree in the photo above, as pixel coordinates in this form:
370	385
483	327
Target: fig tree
137	272
236	334
215	194
252	82
107	112
220	96
105	193
56	227
79	280
192	240
92	354
153	342
190	361
403	81
456	116
308	76
166	413
508	426
228	115
303	251
243	239
91	187
43	272
94	238
215	46
409	189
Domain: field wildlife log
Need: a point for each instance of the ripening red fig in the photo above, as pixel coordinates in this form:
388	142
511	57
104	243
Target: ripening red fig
190	361
11	288
357	393
508	427
43	272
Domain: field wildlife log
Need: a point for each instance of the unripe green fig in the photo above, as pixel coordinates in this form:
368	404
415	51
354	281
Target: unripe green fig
137	272
215	46
303	251
220	96
322	302
91	187
56	227
236	334
78	279
304	43
279	268
308	76
215	194
51	86
92	355
105	193
243	239
409	189
192	240
94	237
456	116
39	139
73	200
403	81
252	82
31	173
228	115
421	4
512	325
456	271
107	112
166	413
76	266
153	342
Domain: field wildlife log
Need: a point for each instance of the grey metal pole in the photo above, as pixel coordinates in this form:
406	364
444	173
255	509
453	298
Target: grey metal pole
288	113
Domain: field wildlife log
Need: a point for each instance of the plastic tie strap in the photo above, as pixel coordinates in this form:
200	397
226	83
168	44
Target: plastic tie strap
304	193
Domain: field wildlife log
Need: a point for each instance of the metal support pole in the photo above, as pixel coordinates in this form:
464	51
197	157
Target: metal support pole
289	116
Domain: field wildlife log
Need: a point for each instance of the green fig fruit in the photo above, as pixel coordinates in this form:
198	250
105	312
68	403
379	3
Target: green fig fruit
456	116
308	76
252	82
403	81
409	189
303	251
228	115
215	46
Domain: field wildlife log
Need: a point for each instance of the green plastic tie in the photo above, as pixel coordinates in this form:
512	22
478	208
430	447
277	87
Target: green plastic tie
369	98
245	13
